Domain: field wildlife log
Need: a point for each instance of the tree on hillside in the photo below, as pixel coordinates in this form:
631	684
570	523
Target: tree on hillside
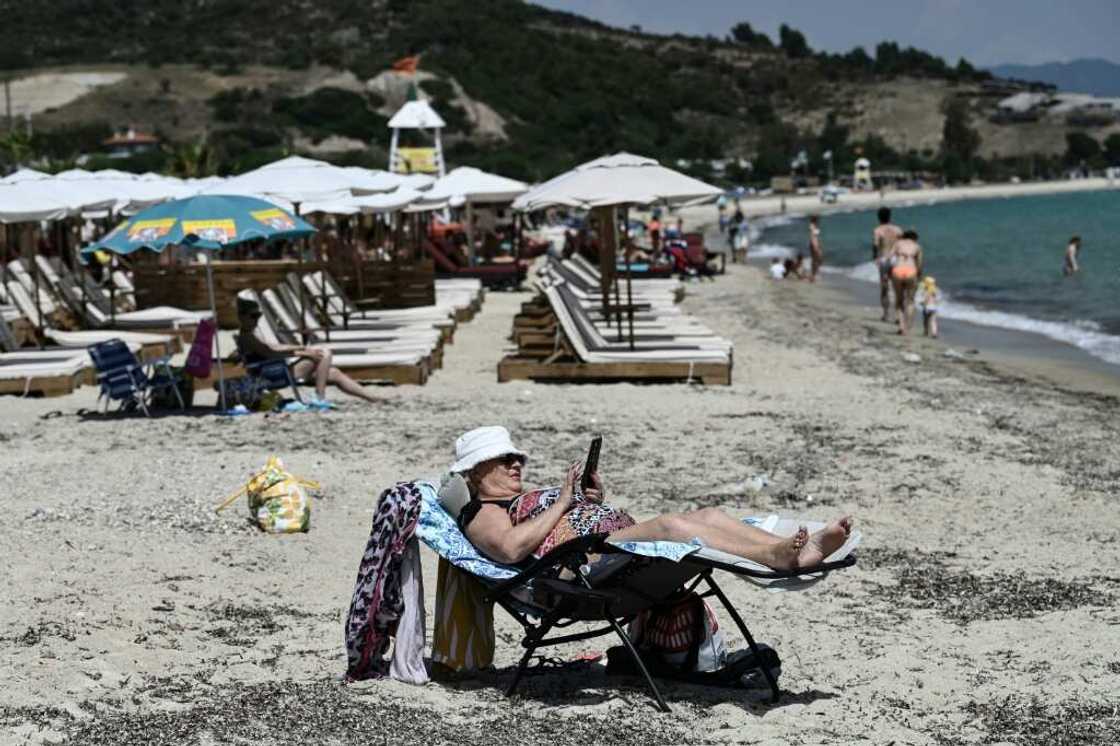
742	33
1081	148
793	42
959	142
1112	149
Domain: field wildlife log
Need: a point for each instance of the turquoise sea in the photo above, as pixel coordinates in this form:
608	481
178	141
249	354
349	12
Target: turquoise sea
998	261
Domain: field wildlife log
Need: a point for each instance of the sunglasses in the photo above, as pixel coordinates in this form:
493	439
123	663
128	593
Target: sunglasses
512	458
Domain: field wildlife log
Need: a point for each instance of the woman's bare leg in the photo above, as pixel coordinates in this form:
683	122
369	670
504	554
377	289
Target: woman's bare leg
778	552
717	519
350	386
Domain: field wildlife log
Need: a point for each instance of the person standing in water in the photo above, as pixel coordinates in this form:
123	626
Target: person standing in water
816	252
882	242
1069	266
906	268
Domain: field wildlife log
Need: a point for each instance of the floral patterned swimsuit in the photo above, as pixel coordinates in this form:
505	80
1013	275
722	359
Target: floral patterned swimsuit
583	518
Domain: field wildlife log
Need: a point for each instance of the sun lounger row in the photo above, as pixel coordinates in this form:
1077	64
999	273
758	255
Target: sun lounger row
559	339
401	345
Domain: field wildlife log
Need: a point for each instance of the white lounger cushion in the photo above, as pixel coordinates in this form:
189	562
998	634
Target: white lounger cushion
19	371
85	338
663	356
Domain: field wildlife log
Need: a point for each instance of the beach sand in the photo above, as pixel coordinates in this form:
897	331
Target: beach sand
983	608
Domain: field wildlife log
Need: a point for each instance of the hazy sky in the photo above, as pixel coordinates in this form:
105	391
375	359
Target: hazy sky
986	32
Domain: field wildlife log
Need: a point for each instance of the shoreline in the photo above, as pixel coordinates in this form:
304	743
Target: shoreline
807	204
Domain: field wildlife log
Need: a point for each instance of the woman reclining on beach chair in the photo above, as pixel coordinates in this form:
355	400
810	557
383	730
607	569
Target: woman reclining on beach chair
313	363
509	525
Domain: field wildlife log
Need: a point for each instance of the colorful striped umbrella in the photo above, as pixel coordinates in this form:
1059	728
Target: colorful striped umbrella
209	221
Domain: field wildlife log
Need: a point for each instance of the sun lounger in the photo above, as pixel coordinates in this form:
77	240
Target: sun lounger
282	307
626	579
576	357
494	276
647	337
277	325
329	330
396	365
341	311
54	285
55	378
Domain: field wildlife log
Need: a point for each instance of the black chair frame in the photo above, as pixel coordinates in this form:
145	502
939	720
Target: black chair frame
589	598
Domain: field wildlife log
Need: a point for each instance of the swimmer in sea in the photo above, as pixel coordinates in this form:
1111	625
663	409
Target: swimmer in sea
906	268
1069	265
882	241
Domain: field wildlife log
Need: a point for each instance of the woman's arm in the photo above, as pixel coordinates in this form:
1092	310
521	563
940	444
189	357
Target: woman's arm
496	537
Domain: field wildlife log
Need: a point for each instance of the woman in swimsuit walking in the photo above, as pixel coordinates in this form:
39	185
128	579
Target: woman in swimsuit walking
906	269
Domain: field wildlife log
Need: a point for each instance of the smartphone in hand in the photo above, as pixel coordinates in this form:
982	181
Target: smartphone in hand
591	465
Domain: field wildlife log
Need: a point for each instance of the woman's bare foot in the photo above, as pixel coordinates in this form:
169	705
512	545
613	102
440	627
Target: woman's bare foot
787	551
824	542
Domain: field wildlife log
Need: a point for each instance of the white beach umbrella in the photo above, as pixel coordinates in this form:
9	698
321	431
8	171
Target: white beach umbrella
26	202
620	179
397	200
475	185
299	180
24	174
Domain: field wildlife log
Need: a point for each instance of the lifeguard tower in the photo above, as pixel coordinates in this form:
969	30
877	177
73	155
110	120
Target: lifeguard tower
414	156
861	179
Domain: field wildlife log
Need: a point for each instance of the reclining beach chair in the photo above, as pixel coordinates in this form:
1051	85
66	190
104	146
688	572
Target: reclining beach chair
626	579
123	378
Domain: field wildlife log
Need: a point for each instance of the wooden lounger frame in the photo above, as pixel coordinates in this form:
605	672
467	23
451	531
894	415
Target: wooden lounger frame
545	354
57	385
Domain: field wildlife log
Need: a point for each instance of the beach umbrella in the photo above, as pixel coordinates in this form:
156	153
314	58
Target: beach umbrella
298	180
203	222
470	186
621	179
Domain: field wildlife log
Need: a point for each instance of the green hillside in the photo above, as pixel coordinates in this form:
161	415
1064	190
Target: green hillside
568	89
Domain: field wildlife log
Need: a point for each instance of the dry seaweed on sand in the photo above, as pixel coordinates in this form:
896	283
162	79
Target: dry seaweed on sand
924	581
288	712
1023	721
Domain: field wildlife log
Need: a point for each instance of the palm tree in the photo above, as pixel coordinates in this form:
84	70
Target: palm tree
193	160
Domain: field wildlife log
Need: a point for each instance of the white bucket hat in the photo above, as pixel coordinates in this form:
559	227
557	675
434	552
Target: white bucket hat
482	444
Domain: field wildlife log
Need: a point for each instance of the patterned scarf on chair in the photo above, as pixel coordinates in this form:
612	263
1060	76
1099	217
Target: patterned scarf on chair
377	604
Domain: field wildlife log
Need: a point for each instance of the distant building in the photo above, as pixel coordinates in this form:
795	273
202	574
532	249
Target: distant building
1079	108
129	143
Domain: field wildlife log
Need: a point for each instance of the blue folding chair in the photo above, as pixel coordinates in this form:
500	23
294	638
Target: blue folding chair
272	375
123	378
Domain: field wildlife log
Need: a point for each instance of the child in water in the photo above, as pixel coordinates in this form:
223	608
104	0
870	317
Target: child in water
928	298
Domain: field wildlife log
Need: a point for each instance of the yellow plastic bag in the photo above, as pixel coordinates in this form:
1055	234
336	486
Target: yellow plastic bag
277	500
